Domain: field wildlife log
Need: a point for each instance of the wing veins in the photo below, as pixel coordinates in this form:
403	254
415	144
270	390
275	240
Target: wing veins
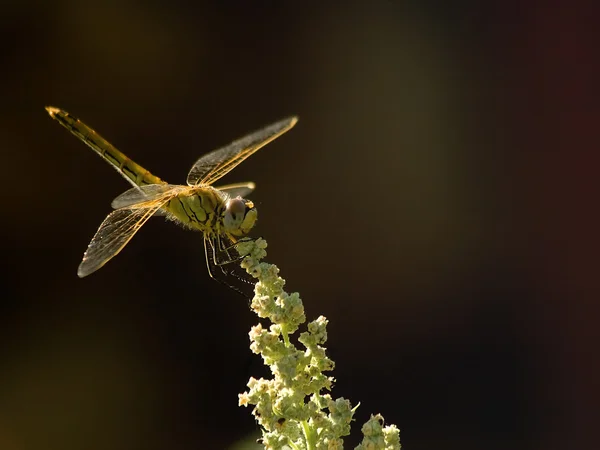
115	232
209	168
139	195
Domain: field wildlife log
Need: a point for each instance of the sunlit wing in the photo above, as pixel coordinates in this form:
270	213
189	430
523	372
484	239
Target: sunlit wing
114	233
214	165
142	194
237	189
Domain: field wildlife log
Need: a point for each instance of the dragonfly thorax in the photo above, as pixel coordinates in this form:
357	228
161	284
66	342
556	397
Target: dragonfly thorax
212	211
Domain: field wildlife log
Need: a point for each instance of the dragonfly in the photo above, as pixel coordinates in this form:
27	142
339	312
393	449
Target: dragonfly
221	214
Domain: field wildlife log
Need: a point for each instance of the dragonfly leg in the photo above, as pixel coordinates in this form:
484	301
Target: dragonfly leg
225	276
213	258
225	251
208	253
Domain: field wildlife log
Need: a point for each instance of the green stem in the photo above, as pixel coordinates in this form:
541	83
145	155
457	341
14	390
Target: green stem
284	335
308	435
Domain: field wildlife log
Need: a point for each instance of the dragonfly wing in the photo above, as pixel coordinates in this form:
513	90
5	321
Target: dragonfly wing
114	233
142	194
209	168
237	189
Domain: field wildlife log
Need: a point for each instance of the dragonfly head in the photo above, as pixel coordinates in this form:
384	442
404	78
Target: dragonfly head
239	216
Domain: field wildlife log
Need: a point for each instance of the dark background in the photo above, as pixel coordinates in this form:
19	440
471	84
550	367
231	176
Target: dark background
436	202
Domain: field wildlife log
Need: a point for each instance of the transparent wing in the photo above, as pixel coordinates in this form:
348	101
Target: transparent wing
114	233
144	194
241	189
209	168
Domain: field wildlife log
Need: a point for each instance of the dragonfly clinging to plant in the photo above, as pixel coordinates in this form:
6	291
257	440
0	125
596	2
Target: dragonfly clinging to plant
221	213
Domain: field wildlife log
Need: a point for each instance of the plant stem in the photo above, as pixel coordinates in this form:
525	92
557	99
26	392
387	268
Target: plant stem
284	335
308	435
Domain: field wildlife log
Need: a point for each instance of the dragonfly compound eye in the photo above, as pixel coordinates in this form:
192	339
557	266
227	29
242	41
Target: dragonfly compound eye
235	210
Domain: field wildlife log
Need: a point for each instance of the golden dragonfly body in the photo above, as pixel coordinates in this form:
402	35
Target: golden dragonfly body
220	213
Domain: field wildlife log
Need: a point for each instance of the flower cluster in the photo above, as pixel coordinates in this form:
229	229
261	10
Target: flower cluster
293	408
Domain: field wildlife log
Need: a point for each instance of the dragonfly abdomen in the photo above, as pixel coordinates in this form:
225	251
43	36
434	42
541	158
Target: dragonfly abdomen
130	169
133	172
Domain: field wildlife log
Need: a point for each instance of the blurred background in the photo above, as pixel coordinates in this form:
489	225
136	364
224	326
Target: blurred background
436	202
